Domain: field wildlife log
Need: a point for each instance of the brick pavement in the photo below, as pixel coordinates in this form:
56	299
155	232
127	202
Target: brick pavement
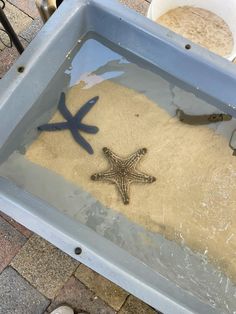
36	277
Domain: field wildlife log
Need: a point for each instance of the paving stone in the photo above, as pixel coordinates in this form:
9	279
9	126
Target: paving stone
44	266
17	296
8	57
140	6
103	288
27	6
134	306
31	31
11	242
18	19
26	232
81	299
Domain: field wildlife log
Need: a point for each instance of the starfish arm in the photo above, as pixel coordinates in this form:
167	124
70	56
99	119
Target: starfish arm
60	126
86	108
113	159
80	140
123	187
132	161
63	109
105	176
88	128
141	177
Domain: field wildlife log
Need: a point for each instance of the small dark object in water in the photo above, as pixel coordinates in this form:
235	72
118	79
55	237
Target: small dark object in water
202	119
123	172
73	123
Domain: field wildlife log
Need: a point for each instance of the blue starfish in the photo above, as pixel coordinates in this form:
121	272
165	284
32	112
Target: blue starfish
73	123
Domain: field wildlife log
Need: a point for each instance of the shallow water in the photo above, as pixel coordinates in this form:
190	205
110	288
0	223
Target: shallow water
192	201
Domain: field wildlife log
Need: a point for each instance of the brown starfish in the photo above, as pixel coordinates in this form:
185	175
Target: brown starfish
123	172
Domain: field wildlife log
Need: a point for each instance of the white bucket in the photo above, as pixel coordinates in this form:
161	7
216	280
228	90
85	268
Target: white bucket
224	9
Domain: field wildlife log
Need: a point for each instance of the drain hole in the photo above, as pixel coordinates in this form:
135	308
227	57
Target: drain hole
78	250
187	46
21	69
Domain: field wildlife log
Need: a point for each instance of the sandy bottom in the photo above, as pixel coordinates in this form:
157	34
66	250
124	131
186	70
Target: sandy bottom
200	26
193	200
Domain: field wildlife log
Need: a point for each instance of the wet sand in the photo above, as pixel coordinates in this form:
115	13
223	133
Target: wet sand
193	200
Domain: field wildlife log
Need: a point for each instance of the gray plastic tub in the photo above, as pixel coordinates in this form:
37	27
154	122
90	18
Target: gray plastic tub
169	277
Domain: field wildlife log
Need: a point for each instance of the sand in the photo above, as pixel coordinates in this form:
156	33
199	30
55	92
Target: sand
193	200
200	26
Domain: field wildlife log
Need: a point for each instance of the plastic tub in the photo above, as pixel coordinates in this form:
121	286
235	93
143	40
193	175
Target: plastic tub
224	9
168	276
